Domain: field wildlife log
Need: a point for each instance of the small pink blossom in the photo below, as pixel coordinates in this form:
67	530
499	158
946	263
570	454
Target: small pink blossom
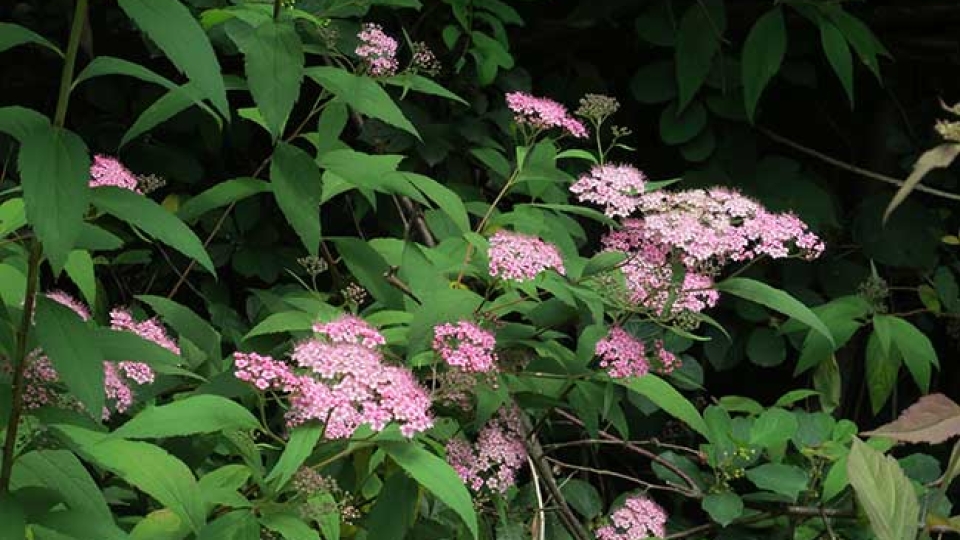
377	50
543	113
75	305
108	171
491	465
638	519
622	355
521	257
465	345
617	188
350	329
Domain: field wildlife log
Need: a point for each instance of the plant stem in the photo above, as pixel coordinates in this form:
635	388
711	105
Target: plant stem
33	264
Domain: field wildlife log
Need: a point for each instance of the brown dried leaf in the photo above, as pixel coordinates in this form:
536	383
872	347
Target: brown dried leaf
933	419
935	158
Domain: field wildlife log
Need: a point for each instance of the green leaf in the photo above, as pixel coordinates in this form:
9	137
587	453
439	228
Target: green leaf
442	196
838	54
13	521
236	525
222	194
274	61
698	41
120	346
166	107
583	497
438	477
299	447
145	466
284	321
289	526
55	170
794	396
79	267
169	24
773	427
763	52
163	524
786	480
654	83
885	493
153	219
72	348
775	299
369	268
296	186
187	323
12	35
423	85
677	127
882	367
362	94
914	347
60	471
203	413
766	348
394	510
667	398
19	122
723	508
77	524
863	40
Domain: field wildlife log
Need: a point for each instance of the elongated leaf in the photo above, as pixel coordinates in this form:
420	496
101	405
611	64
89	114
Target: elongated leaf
436	476
289	526
274	65
79	267
284	321
236	525
763	52
12	35
915	349
222	194
204	413
70	344
299	447
882	367
163	524
419	83
938	157
296	186
369	267
145	466
362	94
932	419
166	107
186	323
667	398
78	524
55	170
723	507
774	299
442	196
171	26
838	54
787	480
18	122
884	492
698	41
62	472
152	219
121	346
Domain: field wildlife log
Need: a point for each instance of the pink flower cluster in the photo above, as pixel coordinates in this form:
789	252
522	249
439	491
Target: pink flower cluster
466	346
543	113
521	257
377	50
41	377
639	518
623	355
491	464
617	188
108	171
341	381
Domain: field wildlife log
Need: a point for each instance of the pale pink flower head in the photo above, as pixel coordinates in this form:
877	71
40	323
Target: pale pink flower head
543	113
75	305
491	465
108	171
466	346
617	188
622	355
350	329
521	257
377	50
638	519
150	329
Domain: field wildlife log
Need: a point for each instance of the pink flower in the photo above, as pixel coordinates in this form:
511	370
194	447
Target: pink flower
665	361
150	329
617	188
377	50
108	171
639	518
520	257
350	329
491	464
465	345
543	113
622	355
75	305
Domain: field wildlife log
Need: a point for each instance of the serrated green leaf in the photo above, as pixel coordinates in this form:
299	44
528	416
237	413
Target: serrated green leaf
187	323
61	472
773	427
362	94
296	186
79	267
222	194
885	493
299	447
775	299
18	122
786	480
667	398
203	413
71	346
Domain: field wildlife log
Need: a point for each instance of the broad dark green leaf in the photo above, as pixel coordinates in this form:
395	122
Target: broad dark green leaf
18	122
163	524
13	521
774	299
763	52
120	346
437	477
786	480
62	472
885	493
164	108
203	413
667	398
914	347
153	219
448	201
12	35
274	61
236	525
78	524
299	447
882	367
773	427
55	171
222	194
79	267
419	83
289	526
72	348
296	186
395	508
369	267
187	323
363	94
723	507
171	26
284	321
145	466
698	41
680	127
583	497
838	54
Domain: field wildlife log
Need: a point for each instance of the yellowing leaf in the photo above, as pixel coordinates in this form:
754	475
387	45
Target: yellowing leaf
933	419
936	158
